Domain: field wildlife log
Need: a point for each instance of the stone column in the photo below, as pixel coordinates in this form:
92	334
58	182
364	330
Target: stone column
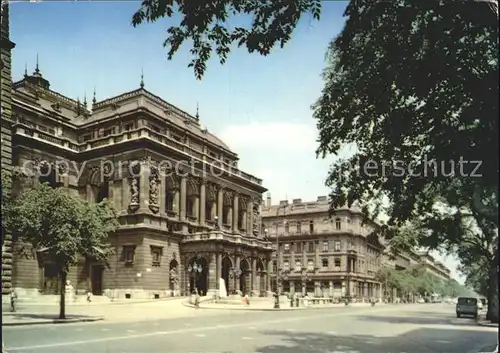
235	212
254	288
177	201
292	258
89	193
163	194
237	280
268	275
219	270
330	289
125	194
249	217
220	205
292	287
317	261
183	199
212	275
202	202
304	256
144	188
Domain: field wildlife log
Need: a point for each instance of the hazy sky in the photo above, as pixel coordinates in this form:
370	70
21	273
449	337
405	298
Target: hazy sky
260	106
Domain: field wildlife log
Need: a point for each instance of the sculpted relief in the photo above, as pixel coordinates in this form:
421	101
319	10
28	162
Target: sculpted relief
154	182
256	219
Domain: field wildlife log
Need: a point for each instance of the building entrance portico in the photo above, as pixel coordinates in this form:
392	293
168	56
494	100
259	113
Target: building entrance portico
241	263
245	276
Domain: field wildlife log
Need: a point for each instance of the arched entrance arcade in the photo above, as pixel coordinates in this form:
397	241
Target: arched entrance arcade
227	265
245	279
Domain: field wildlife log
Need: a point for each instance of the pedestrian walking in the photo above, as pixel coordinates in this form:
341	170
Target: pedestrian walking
13	299
247	300
89	296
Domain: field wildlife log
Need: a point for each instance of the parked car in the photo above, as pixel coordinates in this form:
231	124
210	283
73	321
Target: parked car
469	306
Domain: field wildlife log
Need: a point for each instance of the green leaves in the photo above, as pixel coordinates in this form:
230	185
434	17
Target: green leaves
62	225
205	24
417	280
403	94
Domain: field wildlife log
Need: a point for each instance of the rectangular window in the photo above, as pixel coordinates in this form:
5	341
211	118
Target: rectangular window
129	254
311	227
299	247
299	227
298	266
338	224
311	246
325	246
337	245
324	263
287	247
338	262
310	265
156	253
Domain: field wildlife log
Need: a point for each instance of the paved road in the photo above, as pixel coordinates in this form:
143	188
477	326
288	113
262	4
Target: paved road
431	328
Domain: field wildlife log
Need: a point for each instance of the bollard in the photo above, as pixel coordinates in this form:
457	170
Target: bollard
297	302
291	303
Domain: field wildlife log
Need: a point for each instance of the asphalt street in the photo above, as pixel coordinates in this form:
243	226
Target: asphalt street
426	328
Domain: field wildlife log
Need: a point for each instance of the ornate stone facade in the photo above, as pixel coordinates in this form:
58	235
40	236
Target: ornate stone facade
6	148
180	197
335	256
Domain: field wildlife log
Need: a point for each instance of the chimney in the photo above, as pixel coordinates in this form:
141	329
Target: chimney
284	203
296	201
268	199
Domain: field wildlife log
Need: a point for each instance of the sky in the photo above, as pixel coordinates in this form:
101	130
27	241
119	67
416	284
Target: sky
259	106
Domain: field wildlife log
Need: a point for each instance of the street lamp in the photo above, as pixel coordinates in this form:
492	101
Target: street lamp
194	271
216	219
281	275
235	273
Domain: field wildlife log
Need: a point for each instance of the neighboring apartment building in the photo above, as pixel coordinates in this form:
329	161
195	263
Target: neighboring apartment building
169	223
320	254
433	266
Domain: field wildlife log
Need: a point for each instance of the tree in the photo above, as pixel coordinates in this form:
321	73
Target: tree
412	84
417	106
62	227
204	24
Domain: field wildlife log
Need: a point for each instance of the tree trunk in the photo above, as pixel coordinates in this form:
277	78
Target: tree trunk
62	303
492	313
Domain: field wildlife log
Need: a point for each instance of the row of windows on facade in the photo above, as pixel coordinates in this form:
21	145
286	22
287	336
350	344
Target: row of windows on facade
104	132
298	225
129	254
337	263
297	247
103	193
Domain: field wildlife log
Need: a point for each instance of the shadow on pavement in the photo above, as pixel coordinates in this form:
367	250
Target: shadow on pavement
20	316
426	318
415	341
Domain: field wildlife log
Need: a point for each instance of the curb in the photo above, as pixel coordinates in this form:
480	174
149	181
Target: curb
54	321
236	308
487	324
85	304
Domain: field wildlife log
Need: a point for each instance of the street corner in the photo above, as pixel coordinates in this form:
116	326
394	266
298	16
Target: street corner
25	319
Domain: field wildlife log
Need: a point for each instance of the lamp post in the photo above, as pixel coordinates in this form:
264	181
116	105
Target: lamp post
235	273
216	219
281	274
195	271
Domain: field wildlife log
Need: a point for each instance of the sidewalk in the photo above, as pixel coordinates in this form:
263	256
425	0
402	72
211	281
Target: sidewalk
269	306
82	301
47	314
